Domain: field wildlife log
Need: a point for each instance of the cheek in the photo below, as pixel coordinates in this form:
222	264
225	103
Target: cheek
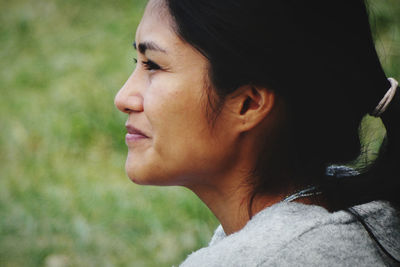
175	112
182	140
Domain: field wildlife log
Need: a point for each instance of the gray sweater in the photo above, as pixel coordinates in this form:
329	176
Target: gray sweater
294	234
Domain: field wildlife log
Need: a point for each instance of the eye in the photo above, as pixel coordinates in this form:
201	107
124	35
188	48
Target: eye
150	65
135	60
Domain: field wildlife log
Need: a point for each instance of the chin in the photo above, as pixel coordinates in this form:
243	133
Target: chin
143	172
136	170
143	176
135	175
136	179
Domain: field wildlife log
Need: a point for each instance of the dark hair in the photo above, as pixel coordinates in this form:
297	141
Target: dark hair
319	57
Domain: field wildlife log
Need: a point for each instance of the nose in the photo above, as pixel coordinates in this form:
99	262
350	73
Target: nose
128	98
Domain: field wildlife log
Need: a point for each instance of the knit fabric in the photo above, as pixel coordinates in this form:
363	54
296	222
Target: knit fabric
294	234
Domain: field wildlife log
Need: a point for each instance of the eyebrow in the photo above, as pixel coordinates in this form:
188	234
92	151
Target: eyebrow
142	47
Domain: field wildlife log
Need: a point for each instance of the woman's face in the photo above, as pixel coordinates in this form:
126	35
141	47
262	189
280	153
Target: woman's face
170	141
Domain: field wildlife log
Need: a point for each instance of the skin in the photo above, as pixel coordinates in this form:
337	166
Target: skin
179	146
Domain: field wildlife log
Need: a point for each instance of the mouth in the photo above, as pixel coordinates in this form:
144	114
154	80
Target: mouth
134	134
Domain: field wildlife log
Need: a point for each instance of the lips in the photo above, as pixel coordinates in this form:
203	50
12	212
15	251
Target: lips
134	134
133	130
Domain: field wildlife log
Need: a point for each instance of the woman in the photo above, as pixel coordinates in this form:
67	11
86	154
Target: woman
247	103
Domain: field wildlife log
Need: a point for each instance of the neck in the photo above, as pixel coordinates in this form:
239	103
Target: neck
230	202
227	193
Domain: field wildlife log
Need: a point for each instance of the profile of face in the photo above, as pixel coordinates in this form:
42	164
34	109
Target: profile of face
170	140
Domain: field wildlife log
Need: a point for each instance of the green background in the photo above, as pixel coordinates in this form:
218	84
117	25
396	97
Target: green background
64	197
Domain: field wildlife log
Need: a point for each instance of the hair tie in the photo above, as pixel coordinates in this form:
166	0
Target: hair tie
384	103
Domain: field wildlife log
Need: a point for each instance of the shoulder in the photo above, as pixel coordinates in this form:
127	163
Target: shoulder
333	244
291	233
343	241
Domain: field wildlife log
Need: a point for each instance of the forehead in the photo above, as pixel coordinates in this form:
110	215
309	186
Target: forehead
156	26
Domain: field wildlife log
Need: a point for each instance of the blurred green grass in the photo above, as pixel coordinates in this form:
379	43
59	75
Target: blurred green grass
64	196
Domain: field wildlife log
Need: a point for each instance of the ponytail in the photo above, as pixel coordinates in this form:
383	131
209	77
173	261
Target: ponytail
346	187
388	166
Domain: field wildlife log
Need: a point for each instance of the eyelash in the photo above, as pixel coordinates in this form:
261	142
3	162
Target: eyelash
149	65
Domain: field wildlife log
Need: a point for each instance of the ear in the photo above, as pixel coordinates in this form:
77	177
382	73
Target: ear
250	105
